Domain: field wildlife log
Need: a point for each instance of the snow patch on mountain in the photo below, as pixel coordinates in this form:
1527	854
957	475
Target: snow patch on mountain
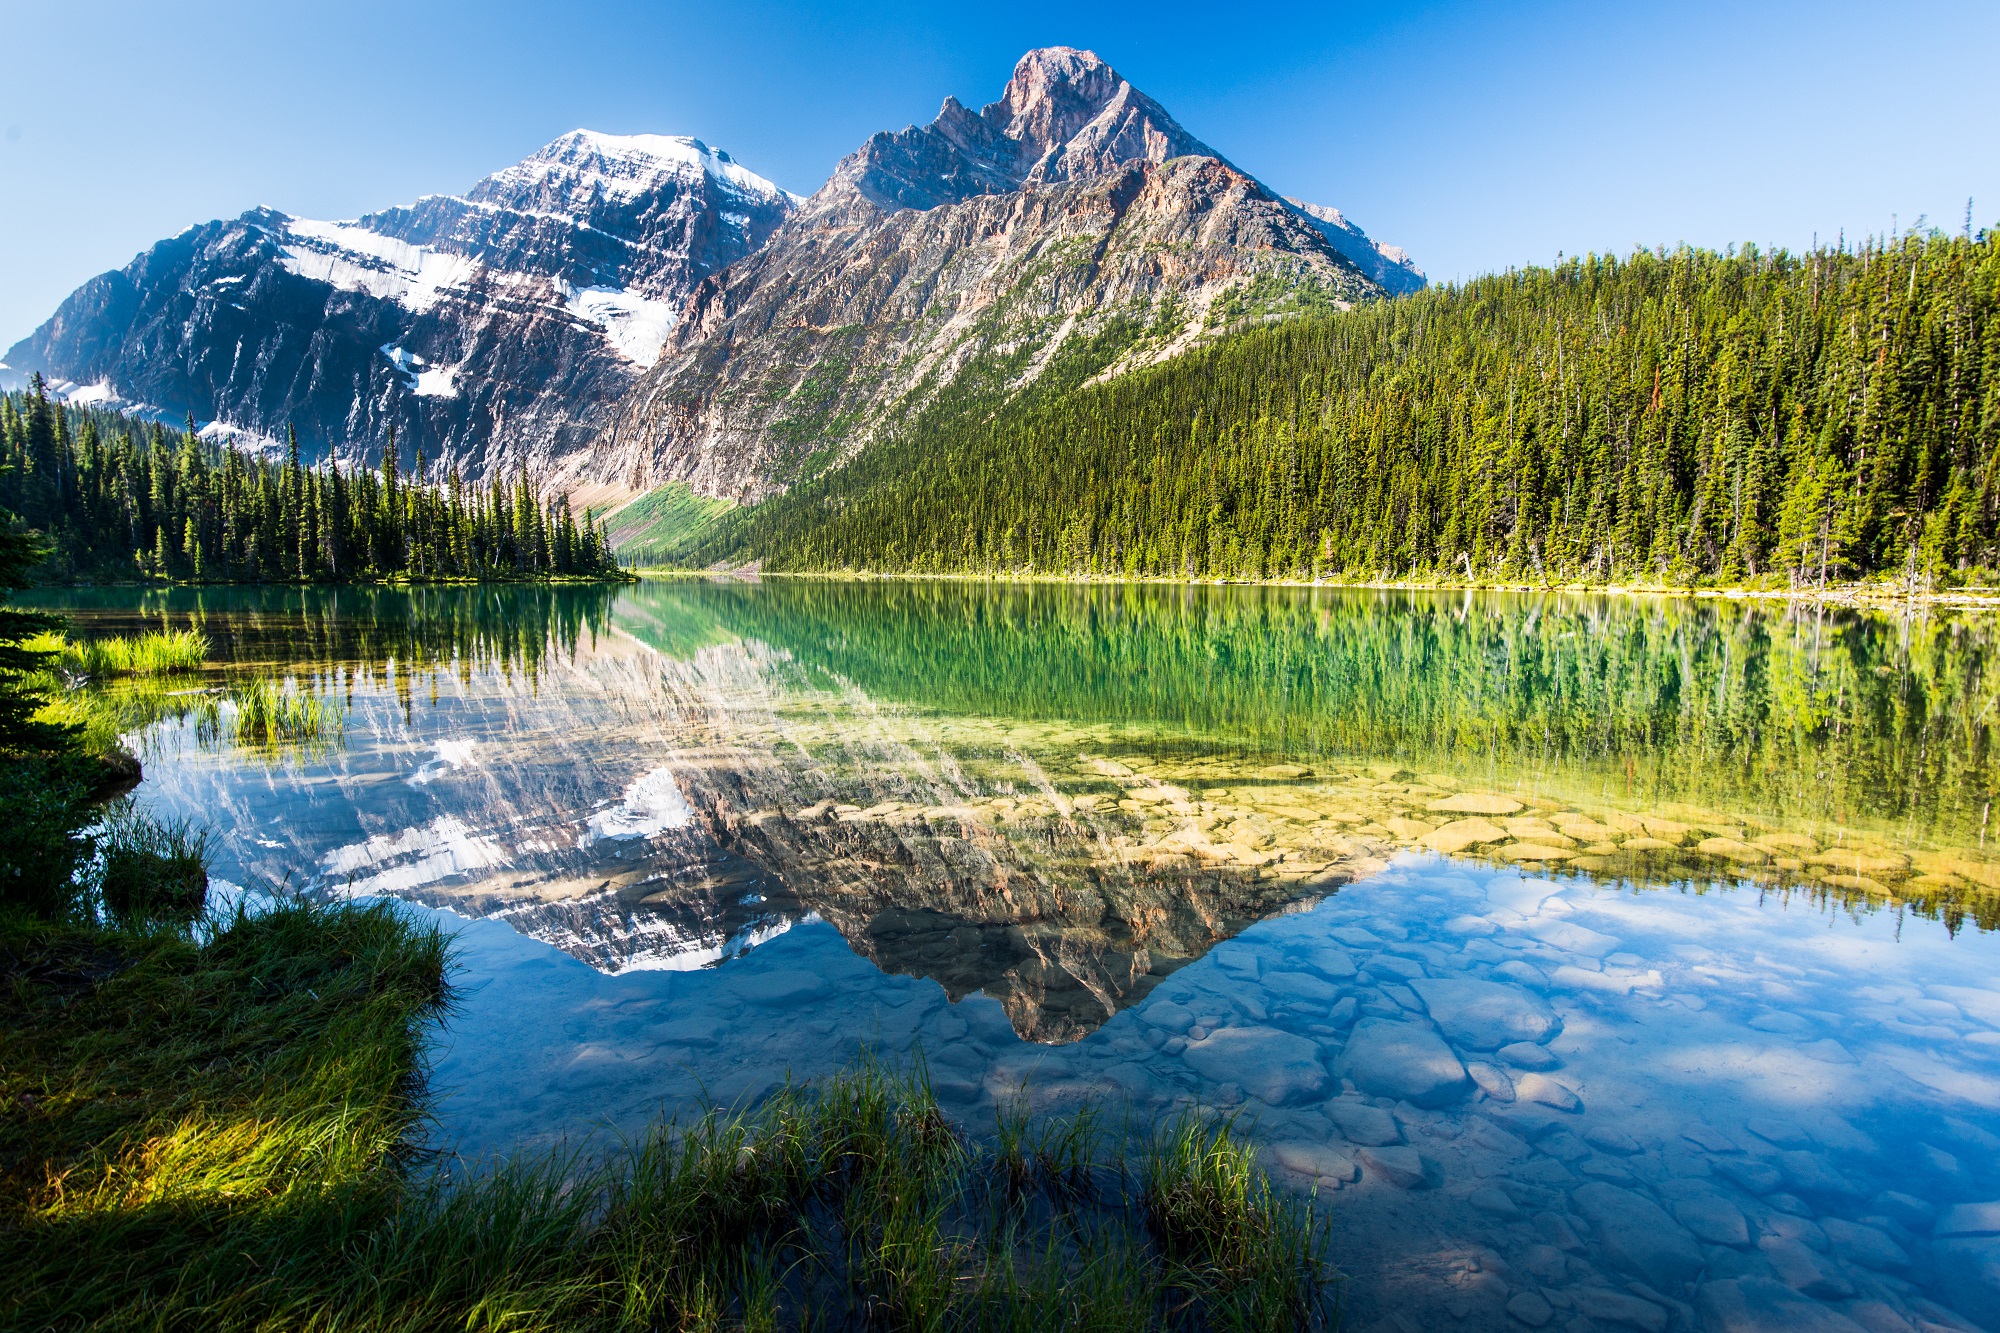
443	849
623	167
425	380
352	258
652	805
634	325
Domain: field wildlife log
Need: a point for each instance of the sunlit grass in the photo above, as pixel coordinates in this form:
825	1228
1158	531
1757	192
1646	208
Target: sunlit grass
217	1135
269	714
156	653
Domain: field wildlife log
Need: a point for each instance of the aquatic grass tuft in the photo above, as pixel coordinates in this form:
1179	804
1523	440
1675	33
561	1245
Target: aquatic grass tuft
1250	1256
156	653
152	867
272	715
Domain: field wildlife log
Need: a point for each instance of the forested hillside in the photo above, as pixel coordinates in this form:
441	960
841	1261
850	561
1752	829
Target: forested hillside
122	499
1683	416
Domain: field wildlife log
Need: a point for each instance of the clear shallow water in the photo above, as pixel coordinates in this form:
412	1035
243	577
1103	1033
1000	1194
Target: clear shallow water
1170	846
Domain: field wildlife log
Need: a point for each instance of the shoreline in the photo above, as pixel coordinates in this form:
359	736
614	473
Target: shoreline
1871	595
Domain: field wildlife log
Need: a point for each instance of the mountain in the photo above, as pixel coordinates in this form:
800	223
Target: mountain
505	323
1389	265
971	254
642	316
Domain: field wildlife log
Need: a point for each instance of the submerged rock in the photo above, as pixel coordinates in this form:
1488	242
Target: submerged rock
1714	1219
1966	1244
1638	1236
1276	1067
1526	1055
1404	1168
1616	1307
1486	1014
1398	1059
1799	1267
1462	834
1541	1088
1759	1305
1361	1123
1316	1160
1476	803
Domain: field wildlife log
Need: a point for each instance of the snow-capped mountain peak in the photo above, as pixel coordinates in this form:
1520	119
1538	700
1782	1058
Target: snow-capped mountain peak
588	164
485	326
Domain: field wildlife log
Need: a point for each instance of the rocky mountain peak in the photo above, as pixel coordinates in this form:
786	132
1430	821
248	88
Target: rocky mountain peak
1074	115
1064	115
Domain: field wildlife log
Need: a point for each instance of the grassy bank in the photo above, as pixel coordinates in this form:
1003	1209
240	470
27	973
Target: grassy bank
218	1135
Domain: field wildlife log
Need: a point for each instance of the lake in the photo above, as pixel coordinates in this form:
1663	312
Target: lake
1600	962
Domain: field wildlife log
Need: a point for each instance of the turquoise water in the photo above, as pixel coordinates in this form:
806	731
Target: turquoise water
1602	963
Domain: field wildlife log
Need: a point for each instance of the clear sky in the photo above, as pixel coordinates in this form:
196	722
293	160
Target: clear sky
1477	136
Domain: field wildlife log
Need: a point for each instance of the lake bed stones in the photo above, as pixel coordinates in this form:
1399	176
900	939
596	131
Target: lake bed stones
1363	1123
1616	1307
1870	1247
1359	1122
1402	1167
1713	1219
1276	1067
1546	1091
1638	1236
1485	1015
1408	1061
1805	1270
1317	1161
1463	834
1760	1305
1966	1245
1475	803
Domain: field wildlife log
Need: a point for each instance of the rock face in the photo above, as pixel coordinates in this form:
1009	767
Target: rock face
1388	265
980	245
499	325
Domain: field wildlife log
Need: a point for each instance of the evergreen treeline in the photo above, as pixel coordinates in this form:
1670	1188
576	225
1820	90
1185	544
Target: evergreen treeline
1685	416
121	498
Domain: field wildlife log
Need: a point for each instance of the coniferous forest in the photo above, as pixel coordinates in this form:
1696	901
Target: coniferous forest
118	498
1674	416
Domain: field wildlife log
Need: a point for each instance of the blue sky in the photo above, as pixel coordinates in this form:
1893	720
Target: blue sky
1476	136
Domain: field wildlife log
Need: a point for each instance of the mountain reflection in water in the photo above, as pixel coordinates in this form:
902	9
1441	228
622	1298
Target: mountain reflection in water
1060	795
1598	962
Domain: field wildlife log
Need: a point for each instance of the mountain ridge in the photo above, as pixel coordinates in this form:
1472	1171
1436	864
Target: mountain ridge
488	328
621	312
1072	205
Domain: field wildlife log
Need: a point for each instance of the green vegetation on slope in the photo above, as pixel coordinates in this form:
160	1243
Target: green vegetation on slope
662	522
1683	416
119	498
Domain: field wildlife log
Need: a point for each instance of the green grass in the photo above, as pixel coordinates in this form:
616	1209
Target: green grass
217	1135
158	653
152	868
659	526
268	714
